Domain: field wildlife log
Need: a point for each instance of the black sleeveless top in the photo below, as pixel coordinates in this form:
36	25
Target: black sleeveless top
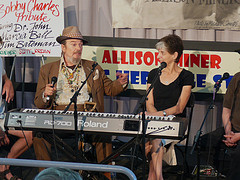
166	96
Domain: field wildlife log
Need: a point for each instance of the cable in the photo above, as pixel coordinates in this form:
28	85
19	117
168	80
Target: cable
53	134
21	127
134	150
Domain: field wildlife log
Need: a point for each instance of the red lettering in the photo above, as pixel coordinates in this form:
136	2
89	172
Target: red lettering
30	17
106	57
13	7
204	61
25	11
123	57
157	61
215	61
131	57
27	51
180	62
114	57
54	8
195	59
146	56
149	58
186	60
139	57
42	51
2	10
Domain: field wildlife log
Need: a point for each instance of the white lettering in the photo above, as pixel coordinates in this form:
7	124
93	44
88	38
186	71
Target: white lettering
58	123
92	124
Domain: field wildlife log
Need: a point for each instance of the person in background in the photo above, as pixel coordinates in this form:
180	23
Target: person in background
231	124
169	96
70	71
22	144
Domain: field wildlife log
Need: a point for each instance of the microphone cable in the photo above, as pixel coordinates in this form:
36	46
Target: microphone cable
53	82
53	134
133	152
21	127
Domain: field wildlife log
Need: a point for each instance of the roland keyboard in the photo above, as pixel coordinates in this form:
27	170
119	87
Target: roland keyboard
91	122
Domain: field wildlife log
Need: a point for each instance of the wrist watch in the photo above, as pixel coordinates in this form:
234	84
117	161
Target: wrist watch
164	113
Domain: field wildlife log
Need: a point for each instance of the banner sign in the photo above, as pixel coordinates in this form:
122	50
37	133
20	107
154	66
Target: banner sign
30	27
176	14
207	66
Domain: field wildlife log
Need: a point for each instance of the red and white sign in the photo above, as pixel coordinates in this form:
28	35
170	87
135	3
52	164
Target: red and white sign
207	66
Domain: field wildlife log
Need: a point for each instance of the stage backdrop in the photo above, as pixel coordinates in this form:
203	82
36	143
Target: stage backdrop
207	66
176	14
30	27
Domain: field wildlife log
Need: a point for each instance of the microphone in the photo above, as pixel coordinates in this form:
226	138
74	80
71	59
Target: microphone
94	65
53	82
225	76
161	67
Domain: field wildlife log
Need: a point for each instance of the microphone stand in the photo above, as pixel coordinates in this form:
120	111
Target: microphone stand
140	105
197	137
74	100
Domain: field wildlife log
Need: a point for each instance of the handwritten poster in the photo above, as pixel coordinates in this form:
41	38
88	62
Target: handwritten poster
30	27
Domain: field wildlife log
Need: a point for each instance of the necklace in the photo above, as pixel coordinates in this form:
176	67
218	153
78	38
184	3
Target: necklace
72	77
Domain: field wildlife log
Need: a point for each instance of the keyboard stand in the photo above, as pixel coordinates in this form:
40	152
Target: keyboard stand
63	147
120	150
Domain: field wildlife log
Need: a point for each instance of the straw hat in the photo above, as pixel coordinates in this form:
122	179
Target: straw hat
70	32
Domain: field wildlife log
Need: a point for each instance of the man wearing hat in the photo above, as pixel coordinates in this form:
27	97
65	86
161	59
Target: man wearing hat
70	71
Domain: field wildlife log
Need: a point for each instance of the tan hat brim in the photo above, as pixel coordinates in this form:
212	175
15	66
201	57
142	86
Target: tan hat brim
60	39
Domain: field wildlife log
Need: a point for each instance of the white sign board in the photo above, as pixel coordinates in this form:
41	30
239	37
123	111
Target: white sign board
30	27
207	66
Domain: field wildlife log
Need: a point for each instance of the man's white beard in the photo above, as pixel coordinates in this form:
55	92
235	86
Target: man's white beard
74	61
